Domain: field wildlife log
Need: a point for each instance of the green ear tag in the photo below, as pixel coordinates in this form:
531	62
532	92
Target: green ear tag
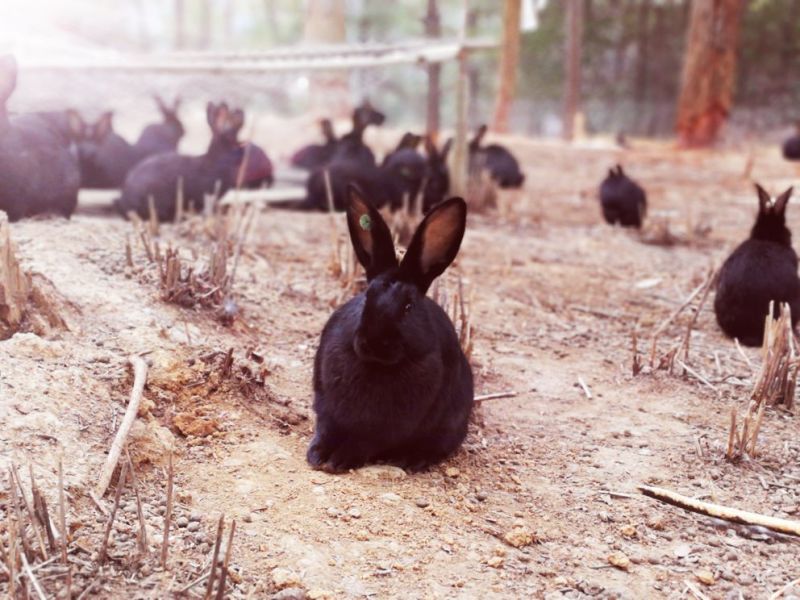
365	222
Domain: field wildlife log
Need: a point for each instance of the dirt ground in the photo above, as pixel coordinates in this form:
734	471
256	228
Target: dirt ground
543	492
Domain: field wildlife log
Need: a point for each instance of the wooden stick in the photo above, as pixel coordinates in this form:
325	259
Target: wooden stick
120	484
585	388
696	375
496	395
30	509
32	578
139	513
214	556
687	338
718	511
12	547
784	589
40	509
670	319
731	434
695	592
26	549
168	515
62	522
139	378
224	572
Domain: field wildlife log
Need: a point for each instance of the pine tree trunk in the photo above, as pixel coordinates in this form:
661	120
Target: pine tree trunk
709	69
572	81
433	29
509	59
325	24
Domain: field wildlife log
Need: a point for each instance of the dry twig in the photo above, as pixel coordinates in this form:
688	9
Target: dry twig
167	515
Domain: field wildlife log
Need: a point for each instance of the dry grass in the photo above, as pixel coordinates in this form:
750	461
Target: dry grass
775	385
451	297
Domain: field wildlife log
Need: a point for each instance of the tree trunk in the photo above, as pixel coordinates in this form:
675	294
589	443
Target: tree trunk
708	71
572	81
180	22
14	284
433	29
509	58
204	39
325	24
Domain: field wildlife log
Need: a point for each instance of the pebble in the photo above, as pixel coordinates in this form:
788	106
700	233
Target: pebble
386	472
195	516
422	502
452	472
284	578
193	526
292	593
495	562
481	496
354	513
181	521
390	497
745	579
248	518
333	512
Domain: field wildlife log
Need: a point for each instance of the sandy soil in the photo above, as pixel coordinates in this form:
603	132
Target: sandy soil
543	491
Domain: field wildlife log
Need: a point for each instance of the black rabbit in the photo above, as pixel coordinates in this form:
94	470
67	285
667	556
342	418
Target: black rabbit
761	270
256	169
105	156
38	172
409	141
623	201
314	156
400	177
791	147
351	146
390	380
502	165
161	137
159	176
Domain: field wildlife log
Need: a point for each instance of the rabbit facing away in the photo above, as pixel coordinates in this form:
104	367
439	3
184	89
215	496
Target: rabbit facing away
762	269
164	136
39	174
791	147
315	156
391	382
105	156
622	200
256	170
502	165
160	176
351	146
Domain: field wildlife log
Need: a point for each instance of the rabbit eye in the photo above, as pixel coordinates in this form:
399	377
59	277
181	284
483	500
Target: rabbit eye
407	308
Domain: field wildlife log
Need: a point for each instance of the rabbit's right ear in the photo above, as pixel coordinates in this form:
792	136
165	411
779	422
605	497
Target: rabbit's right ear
8	77
75	124
372	240
780	201
104	126
435	243
211	114
476	141
764	201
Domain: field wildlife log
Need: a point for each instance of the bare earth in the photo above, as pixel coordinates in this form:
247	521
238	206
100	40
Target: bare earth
543	491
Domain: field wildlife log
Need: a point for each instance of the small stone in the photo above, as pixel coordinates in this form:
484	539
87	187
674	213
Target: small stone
628	531
481	496
619	560
318	594
146	570
495	562
519	537
292	593
247	517
705	577
354	513
422	502
195	516
284	578
452	472
333	512
181	521
385	472
682	551
390	497
193	526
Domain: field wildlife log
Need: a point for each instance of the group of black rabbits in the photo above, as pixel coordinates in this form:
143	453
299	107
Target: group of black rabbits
391	382
760	271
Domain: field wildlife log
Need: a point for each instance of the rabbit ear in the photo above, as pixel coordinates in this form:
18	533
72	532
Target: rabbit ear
8	77
75	124
476	141
370	235
780	201
211	113
435	243
104	125
446	150
764	201
619	171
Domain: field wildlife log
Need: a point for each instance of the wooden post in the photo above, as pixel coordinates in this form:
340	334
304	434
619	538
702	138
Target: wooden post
180	22
708	70
572	80
509	59
325	24
460	154
433	29
14	284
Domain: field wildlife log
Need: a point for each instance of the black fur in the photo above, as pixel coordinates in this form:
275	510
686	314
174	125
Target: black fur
351	147
761	269
315	156
791	147
502	165
157	138
404	172
390	380
623	201
159	175
256	170
38	172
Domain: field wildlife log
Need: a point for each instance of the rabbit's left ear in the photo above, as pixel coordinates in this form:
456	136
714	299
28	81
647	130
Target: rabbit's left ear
764	201
372	240
780	201
435	243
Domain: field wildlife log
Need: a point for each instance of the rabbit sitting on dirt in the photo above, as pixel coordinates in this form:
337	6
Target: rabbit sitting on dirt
762	269
391	382
622	199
